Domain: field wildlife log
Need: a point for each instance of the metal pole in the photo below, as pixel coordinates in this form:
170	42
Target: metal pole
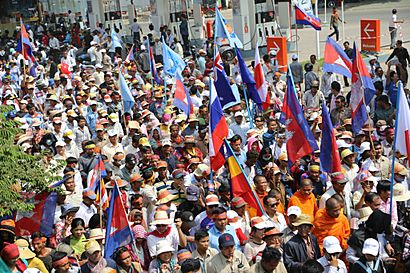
296	38
343	21
317	32
325	21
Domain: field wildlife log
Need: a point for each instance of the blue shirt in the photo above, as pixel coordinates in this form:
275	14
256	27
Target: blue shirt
214	234
393	90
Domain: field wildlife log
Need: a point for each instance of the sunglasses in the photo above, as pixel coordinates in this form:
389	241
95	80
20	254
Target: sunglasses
274	204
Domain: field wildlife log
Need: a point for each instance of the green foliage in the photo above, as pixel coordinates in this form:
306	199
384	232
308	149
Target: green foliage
20	172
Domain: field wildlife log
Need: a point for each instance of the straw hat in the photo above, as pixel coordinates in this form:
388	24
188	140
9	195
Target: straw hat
161	218
96	234
164	196
400	193
364	214
24	249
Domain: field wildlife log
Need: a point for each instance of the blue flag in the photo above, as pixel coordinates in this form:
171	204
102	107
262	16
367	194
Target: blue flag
127	98
224	31
118	232
248	79
222	86
172	61
47	222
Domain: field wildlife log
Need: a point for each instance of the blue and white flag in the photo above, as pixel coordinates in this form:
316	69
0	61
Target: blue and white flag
224	31
172	61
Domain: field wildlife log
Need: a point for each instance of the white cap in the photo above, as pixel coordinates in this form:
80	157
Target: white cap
295	56
98	65
332	245
112	132
342	144
93	102
371	246
295	210
60	143
231	214
365	146
93	43
238	114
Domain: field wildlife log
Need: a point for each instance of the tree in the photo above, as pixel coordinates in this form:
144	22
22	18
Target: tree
21	174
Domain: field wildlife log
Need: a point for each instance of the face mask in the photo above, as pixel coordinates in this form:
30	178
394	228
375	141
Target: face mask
399	179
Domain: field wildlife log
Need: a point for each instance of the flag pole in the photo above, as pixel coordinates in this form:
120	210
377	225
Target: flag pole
394	149
317	32
100	193
246	178
22	51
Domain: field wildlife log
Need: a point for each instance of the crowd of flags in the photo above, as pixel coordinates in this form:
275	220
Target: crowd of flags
300	139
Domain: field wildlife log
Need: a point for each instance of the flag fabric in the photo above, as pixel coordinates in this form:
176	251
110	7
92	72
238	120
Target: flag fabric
329	153
239	184
218	130
402	134
172	61
153	67
300	140
303	18
56	184
224	33
222	86
127	98
118	232
102	195
336	60
260	82
182	99
362	91
96	174
32	69
65	69
39	218
248	79
130	56
115	39
24	45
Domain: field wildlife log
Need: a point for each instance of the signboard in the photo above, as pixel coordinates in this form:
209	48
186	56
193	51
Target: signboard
279	45
370	35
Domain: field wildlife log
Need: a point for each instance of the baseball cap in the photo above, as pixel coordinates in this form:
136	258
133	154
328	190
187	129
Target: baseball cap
212	199
332	245
192	193
258	222
178	173
371	246
226	240
89	193
112	132
294	210
238	202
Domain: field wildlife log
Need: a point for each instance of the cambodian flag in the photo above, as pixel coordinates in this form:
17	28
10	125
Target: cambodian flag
182	100
362	91
218	130
95	176
300	138
248	79
329	153
153	68
223	88
24	45
118	232
336	60
261	86
402	134
130	56
303	18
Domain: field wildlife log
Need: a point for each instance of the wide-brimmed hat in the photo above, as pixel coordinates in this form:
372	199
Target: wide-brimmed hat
120	182
163	246
345	153
303	219
96	234
24	249
164	196
364	214
400	193
67	209
161	218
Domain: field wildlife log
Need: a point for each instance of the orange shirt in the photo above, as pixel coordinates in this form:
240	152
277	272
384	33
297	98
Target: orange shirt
253	212
307	204
280	208
324	225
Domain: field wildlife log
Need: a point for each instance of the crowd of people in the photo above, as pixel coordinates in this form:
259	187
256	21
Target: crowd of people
185	218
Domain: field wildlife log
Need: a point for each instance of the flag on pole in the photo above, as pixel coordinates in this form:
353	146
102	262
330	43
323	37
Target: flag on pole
115	39
153	67
24	45
96	174
303	18
182	99
240	186
222	86
118	232
224	33
336	60
261	86
362	91
172	61
248	79
403	123
130	56
39	218
218	130
127	98
329	153
300	139
102	195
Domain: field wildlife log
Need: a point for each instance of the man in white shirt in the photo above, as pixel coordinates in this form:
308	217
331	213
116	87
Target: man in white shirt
87	207
393	28
330	260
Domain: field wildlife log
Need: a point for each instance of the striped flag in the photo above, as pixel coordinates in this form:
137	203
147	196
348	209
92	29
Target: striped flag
261	85
403	123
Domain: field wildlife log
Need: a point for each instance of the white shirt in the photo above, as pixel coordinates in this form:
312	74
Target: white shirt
341	267
172	238
86	212
392	21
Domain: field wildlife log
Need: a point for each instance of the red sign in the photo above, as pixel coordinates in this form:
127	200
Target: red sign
279	45
370	35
